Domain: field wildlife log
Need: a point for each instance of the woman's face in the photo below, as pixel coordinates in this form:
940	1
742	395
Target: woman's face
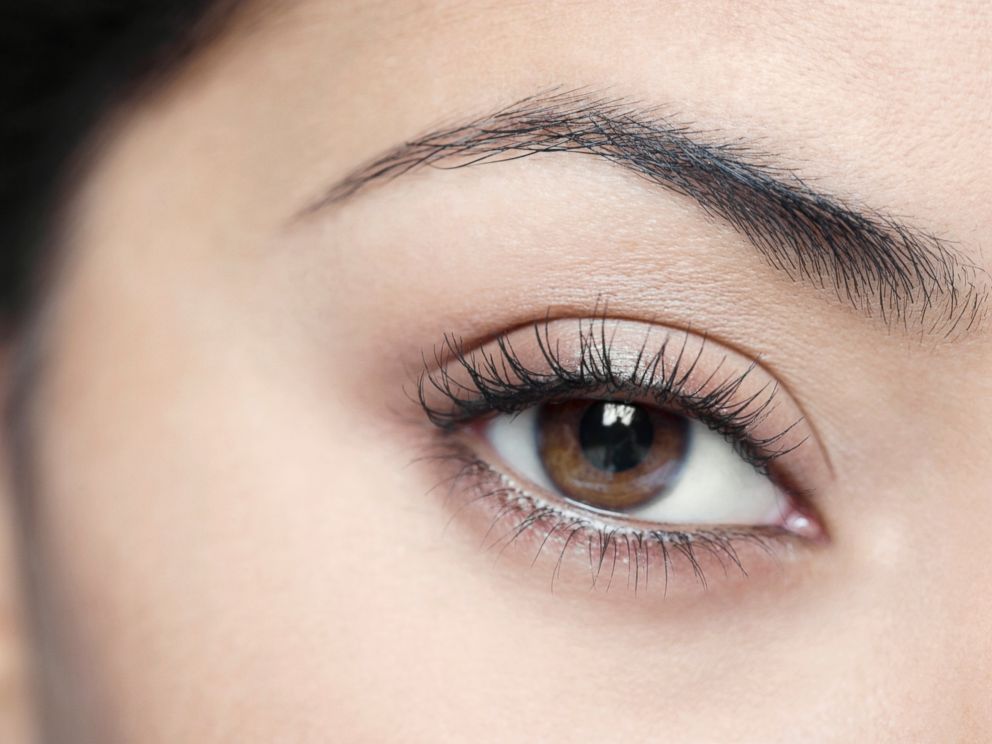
657	443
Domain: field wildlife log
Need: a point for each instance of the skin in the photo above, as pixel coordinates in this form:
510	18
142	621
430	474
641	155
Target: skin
228	539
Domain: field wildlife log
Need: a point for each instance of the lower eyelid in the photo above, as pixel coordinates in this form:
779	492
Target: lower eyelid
565	549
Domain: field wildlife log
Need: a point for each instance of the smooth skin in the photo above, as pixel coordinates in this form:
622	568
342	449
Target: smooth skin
228	538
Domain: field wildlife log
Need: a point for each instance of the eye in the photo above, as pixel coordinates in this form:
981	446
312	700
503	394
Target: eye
605	446
638	461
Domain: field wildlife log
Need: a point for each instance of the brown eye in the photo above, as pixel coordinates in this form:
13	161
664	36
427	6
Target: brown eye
610	454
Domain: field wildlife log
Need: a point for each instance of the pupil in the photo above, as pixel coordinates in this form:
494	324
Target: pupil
615	436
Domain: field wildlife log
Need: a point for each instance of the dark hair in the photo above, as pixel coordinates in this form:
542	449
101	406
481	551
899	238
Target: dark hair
64	64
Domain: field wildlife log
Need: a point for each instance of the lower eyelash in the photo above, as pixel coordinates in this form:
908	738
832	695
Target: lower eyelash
516	516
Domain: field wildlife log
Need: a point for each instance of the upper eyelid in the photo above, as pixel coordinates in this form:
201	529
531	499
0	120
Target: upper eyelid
442	405
671	389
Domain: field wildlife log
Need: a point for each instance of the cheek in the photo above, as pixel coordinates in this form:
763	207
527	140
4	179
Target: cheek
204	513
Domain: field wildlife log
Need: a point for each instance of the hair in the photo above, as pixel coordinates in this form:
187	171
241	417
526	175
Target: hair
64	66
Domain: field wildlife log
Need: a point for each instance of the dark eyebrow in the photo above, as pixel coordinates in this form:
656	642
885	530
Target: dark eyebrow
884	268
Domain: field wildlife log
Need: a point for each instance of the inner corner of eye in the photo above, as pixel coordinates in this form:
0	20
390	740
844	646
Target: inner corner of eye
635	461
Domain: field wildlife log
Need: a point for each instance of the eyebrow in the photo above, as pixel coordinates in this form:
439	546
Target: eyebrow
882	267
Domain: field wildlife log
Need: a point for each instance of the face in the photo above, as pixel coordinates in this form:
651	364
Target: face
688	434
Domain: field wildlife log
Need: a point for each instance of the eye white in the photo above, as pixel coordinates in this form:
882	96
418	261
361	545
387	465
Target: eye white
714	486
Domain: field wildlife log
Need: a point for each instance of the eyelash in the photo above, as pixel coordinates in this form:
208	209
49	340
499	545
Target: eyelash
499	382
502	383
607	545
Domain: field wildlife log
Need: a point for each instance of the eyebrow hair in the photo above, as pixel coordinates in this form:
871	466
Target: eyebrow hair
882	267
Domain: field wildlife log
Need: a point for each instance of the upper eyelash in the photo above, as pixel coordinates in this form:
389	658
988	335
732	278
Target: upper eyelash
500	382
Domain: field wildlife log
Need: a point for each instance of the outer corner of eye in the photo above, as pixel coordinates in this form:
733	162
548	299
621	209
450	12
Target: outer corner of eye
639	462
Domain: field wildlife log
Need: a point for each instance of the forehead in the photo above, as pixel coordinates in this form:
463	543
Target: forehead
882	104
889	101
